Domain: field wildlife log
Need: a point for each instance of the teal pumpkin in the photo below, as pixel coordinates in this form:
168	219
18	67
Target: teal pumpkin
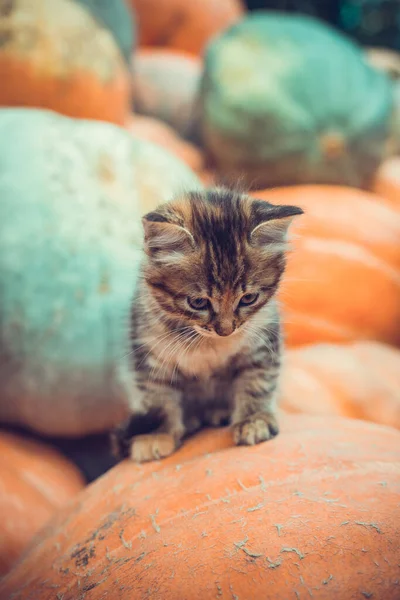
118	18
286	100
72	195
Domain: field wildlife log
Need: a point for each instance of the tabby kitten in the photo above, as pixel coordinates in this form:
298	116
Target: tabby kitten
206	340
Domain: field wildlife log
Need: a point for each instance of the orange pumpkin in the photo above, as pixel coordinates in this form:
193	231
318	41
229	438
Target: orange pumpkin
343	278
54	54
315	511
35	481
182	24
166	84
387	181
147	128
334	380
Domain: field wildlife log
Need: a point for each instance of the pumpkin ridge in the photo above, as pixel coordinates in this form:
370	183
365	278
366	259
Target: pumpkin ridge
354	253
345	332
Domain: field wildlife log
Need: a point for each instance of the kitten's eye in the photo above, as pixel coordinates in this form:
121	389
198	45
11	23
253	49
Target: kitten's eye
198	303
249	299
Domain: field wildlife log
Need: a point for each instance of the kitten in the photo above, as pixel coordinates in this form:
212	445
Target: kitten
206	339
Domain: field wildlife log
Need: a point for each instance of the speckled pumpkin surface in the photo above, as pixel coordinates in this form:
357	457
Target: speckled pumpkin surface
55	54
313	513
284	102
72	194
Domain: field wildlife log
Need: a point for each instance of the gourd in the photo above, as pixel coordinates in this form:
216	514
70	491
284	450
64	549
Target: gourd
181	24
342	281
166	86
314	511
55	54
276	108
72	196
359	380
35	481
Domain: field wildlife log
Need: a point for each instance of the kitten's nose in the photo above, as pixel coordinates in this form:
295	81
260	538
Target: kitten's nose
225	328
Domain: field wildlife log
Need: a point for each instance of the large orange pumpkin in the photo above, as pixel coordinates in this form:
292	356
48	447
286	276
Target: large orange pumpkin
343	278
387	181
186	25
166	84
153	130
313	513
54	54
35	481
360	380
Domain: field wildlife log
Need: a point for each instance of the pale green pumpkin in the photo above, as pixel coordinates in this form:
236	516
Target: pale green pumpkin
72	194
286	99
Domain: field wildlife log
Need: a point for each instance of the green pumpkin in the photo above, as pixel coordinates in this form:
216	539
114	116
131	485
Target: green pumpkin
286	100
72	196
115	15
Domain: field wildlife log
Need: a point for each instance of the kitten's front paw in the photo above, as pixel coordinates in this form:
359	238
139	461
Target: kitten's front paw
152	446
257	428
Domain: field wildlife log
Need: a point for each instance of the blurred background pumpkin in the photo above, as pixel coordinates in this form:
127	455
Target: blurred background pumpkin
184	25
342	282
277	109
57	54
35	481
166	84
344	380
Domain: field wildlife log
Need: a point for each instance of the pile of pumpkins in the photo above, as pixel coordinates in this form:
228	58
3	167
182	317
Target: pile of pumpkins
108	108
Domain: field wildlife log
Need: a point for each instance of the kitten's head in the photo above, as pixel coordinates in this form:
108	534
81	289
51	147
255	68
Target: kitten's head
215	258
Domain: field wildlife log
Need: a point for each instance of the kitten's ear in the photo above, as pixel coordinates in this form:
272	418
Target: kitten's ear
163	239
274	222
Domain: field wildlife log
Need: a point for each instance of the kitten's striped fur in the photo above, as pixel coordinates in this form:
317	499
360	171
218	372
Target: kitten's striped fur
193	367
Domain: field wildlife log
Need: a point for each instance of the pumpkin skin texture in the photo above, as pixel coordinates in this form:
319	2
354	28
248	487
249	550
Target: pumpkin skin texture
315	509
270	116
70	247
166	84
40	65
184	25
344	380
35	481
387	181
342	281
160	133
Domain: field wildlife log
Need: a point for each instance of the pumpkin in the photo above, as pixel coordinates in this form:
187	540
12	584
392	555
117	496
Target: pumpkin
275	108
54	54
181	24
342	281
160	133
70	247
166	84
315	511
344	379
35	481
387	181
119	20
